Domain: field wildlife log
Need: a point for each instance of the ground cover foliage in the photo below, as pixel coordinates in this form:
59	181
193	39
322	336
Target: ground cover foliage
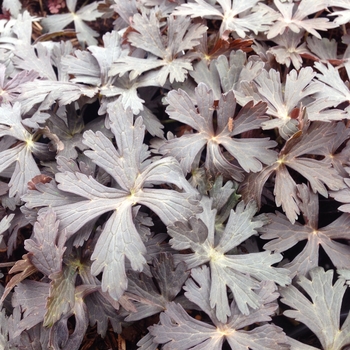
175	174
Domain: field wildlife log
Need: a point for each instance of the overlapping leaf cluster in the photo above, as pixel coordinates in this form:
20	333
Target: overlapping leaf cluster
158	169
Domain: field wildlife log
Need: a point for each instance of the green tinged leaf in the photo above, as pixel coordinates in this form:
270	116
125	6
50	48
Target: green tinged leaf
62	295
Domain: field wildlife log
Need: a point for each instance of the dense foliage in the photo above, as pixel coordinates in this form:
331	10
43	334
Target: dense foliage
178	168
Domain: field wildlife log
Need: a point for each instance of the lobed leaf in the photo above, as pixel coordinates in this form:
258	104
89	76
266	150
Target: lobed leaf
321	314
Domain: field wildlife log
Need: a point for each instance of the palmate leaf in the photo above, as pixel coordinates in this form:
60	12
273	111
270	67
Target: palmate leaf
156	297
250	153
297	154
86	13
135	176
225	73
66	133
289	49
92	67
240	273
284	235
20	154
240	17
282	99
178	330
295	17
167	53
53	86
320	311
